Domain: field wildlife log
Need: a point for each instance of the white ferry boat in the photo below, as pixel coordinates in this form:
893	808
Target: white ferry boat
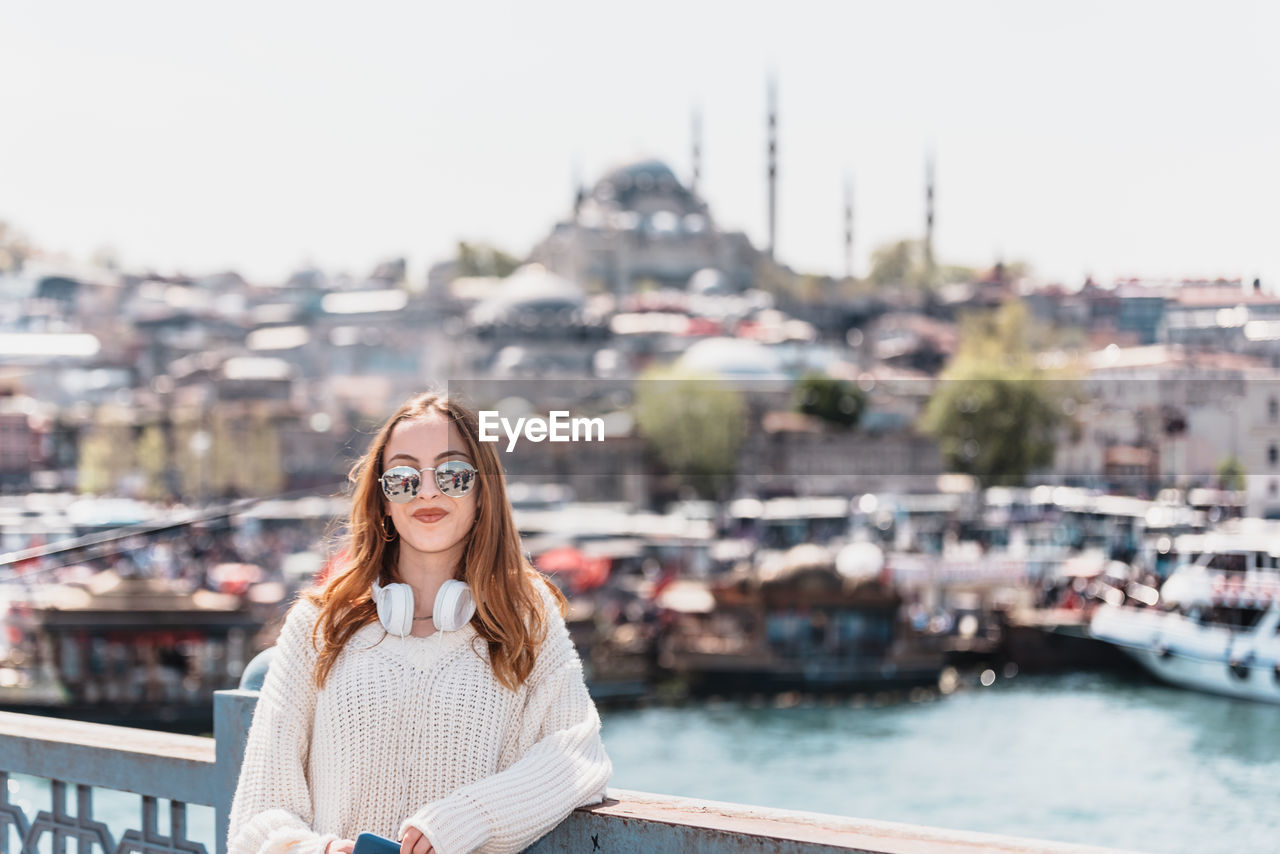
1216	626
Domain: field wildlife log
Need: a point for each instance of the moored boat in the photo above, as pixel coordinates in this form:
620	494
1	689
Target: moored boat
129	651
1215	626
1237	661
801	626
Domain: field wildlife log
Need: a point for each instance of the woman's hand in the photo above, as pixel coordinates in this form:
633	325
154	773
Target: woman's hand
415	842
340	846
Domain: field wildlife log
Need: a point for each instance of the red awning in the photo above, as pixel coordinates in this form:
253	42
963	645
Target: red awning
585	572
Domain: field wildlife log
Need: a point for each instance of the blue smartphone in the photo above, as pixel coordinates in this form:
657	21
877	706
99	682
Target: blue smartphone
372	843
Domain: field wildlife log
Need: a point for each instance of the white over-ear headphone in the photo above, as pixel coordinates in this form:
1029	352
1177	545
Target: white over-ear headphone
452	609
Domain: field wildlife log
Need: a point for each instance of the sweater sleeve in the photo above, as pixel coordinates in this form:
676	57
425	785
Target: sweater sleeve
562	765
271	811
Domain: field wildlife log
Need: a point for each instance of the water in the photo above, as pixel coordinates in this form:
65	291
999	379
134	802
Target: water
1082	758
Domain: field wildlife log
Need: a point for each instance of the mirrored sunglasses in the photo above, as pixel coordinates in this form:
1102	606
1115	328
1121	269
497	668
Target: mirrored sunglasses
402	484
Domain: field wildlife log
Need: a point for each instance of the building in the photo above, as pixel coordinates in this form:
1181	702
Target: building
21	441
1224	317
639	227
1163	415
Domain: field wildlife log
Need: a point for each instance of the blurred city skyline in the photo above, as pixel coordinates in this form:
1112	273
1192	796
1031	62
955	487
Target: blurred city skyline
1115	140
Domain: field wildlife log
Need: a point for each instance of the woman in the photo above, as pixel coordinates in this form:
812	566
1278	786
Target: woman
449	715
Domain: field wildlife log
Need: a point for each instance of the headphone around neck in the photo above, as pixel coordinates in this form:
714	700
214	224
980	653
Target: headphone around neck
453	608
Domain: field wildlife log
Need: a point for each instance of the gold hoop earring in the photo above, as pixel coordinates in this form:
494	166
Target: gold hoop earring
388	530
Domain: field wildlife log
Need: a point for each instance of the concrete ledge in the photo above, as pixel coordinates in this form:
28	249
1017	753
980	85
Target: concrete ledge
200	771
158	764
631	822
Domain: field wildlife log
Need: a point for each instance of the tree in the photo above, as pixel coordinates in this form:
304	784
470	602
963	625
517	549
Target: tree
481	259
15	249
262	471
835	401
695	426
104	459
153	462
898	264
1231	474
106	453
996	413
904	263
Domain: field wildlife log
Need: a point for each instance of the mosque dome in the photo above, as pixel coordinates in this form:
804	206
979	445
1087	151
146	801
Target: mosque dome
732	357
533	285
531	292
643	175
709	281
644	184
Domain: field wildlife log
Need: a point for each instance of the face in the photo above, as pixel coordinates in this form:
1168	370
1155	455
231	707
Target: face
431	524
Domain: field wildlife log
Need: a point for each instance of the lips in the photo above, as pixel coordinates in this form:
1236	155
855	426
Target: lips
430	515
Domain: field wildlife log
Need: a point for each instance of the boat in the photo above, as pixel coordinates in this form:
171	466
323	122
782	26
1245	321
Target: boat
129	651
616	663
804	624
1214	626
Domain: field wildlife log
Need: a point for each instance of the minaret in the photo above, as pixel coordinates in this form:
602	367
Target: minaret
773	165
928	214
848	227
579	190
697	152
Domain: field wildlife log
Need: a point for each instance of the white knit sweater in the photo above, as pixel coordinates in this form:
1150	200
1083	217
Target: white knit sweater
416	721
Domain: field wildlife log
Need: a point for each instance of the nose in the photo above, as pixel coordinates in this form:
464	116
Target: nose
428	487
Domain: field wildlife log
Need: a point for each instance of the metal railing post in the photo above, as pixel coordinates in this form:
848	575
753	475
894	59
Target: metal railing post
232	714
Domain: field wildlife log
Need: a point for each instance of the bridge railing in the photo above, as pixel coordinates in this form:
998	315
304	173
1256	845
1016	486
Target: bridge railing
183	770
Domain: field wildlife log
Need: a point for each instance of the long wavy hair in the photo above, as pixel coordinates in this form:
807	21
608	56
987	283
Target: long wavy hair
508	614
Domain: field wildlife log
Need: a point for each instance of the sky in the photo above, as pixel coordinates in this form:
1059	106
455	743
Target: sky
1113	139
